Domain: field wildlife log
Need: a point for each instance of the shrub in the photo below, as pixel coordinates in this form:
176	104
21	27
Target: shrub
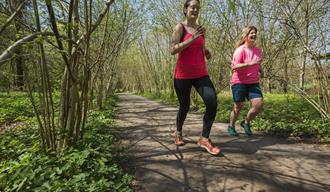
283	115
92	166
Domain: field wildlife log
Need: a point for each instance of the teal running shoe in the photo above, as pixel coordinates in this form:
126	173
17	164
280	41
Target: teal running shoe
232	131
247	128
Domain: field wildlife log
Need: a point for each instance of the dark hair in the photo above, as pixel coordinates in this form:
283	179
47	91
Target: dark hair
186	5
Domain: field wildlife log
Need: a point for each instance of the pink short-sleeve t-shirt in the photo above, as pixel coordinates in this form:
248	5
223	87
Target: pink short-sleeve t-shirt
249	74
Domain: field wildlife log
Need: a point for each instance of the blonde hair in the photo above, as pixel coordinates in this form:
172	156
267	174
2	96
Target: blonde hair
244	33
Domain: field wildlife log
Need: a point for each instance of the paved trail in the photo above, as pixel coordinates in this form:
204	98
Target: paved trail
257	163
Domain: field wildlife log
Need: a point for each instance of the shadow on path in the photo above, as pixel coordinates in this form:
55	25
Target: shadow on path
257	163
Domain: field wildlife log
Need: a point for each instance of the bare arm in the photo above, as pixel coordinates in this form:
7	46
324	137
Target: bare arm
261	71
176	46
243	65
207	53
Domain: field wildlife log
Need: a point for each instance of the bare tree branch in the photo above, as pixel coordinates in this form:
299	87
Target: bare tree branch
12	16
57	35
11	49
94	26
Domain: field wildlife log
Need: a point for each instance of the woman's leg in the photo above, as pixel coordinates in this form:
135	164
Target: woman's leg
235	113
256	108
206	90
256	99
239	92
182	88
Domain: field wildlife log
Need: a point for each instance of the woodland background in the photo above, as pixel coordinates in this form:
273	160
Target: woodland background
64	59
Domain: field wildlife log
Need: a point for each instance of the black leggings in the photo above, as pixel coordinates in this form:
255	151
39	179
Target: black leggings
205	89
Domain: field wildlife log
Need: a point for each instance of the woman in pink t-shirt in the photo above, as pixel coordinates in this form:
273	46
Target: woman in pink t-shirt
188	41
246	69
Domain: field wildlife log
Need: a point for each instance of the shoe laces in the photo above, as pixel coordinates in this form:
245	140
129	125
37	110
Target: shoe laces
207	143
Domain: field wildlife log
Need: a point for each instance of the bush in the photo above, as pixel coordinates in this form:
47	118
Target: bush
15	107
92	166
290	115
283	115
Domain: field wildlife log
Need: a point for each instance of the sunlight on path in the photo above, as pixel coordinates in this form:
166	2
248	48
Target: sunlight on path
257	163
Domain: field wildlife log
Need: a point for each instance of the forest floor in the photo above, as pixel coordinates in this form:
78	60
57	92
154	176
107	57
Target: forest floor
5	126
257	163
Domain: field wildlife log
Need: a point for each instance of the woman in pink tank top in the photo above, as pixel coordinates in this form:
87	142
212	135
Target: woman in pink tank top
246	68
188	40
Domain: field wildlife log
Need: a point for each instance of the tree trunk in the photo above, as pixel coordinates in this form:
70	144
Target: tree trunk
15	9
286	76
304	55
19	70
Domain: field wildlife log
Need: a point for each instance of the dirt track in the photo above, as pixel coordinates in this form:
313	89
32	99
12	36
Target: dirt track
257	163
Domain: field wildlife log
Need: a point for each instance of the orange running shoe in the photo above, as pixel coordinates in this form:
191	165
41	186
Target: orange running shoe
207	144
178	138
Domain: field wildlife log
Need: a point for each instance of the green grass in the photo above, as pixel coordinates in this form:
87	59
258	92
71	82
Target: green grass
14	107
283	115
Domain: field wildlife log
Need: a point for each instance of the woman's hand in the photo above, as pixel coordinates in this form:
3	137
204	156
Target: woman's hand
243	65
257	61
176	45
198	32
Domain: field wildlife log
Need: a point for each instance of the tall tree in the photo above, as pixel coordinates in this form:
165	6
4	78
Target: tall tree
15	8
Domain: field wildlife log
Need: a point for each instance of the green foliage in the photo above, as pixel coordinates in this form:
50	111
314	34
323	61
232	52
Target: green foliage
14	107
289	115
93	166
163	96
283	115
17	107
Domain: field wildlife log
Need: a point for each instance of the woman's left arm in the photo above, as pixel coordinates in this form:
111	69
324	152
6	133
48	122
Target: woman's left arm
207	53
261	71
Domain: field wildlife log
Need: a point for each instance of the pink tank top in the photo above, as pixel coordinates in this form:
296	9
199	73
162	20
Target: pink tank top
191	63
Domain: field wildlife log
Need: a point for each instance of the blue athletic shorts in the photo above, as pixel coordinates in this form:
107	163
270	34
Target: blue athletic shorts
246	91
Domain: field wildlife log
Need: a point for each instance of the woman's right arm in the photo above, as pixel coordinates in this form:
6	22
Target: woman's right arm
242	65
237	62
176	46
